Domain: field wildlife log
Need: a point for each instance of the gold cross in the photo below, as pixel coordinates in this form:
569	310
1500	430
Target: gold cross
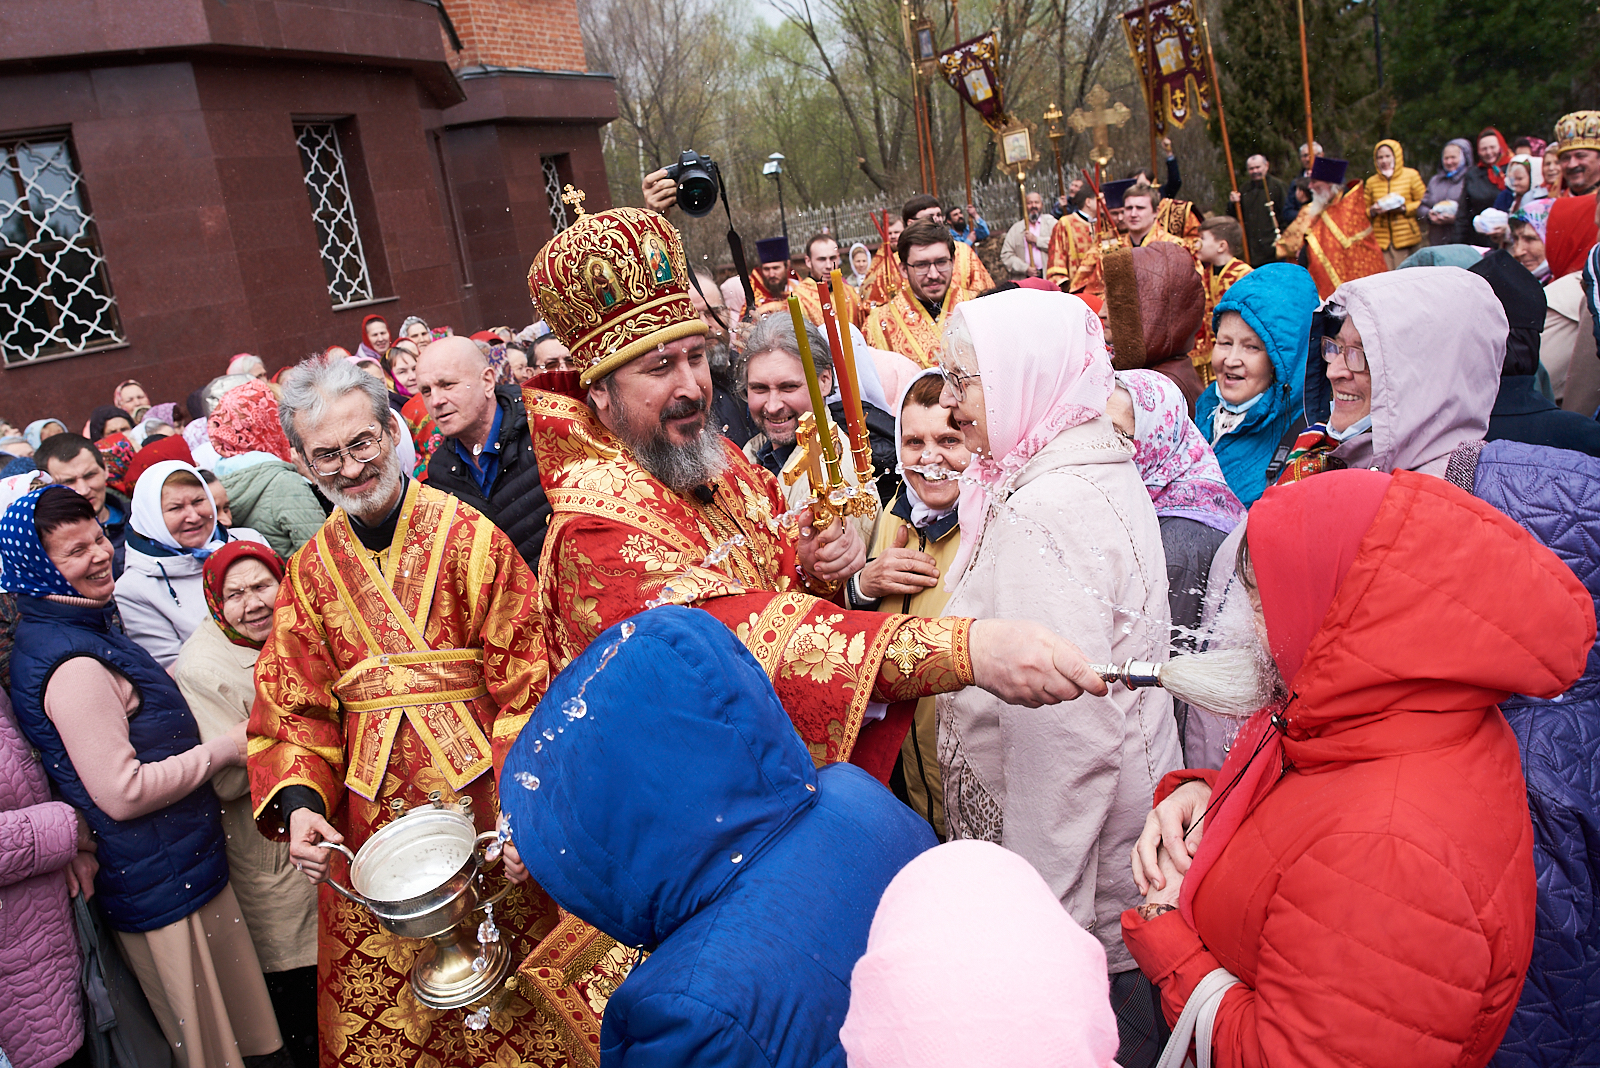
575	197
905	651
1098	118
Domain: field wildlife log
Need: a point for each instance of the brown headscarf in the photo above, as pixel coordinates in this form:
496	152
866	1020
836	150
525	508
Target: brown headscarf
1154	306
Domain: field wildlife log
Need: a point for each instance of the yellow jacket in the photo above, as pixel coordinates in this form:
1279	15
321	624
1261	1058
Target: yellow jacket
1397	228
919	755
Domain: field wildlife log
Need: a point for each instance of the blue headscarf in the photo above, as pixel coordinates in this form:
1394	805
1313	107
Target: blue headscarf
28	568
1276	301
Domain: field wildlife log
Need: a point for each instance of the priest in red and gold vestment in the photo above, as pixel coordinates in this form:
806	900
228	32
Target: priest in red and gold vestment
883	278
1070	242
912	323
651	507
405	655
1332	236
1131	205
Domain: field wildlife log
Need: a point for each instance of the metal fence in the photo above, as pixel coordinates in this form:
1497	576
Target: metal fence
851	220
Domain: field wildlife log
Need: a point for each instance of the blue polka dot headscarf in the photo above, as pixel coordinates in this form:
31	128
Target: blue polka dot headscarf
28	569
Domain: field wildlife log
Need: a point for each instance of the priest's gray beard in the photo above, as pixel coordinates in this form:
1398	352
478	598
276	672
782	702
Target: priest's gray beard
364	506
679	467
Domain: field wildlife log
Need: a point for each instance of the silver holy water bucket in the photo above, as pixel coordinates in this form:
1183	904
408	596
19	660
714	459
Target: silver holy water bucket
418	874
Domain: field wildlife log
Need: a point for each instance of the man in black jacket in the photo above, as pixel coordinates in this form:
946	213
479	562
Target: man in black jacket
1260	210
487	457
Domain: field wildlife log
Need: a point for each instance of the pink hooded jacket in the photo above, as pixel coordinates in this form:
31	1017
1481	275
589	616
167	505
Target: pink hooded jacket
41	1022
973	961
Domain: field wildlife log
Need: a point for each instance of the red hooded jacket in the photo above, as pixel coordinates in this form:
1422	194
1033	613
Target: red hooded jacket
1377	902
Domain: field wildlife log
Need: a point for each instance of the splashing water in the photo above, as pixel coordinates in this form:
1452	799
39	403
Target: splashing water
478	1019
527	780
487	931
931	472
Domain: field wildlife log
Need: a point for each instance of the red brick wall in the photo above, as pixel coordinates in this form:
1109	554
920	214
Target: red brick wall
542	34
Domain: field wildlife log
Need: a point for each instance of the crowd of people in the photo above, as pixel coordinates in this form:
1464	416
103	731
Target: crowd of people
720	694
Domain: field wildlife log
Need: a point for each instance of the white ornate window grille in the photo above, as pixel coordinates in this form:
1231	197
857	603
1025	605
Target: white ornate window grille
55	295
334	213
552	192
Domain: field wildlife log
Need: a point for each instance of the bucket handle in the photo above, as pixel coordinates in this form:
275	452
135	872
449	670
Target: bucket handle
351	857
479	846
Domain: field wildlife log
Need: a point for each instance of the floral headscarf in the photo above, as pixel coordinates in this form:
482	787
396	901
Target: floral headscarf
426	437
501	364
116	452
215	573
1179	469
246	420
163	413
1536	214
28	568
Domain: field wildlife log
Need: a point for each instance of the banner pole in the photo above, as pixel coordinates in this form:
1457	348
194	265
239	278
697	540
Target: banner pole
1305	79
1222	120
1150	89
966	157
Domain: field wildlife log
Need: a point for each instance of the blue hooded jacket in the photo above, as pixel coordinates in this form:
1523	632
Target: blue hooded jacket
1276	301
681	813
1553	494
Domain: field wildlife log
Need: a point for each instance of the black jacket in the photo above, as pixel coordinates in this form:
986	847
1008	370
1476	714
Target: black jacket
1522	413
1258	211
1478	194
885	452
516	503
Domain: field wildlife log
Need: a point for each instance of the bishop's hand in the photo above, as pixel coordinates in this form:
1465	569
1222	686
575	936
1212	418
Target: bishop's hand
830	555
1026	663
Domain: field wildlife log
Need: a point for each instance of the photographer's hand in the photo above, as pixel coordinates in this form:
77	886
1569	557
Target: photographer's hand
660	192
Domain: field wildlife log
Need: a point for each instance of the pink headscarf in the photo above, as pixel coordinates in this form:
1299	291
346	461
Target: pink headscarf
246	420
1179	469
1045	368
971	961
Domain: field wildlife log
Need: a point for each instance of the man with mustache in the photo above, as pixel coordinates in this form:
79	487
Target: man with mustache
404	657
651	506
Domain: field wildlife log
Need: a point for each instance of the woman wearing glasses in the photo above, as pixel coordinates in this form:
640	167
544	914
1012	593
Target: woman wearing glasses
1057	528
216	675
1410	369
1263	329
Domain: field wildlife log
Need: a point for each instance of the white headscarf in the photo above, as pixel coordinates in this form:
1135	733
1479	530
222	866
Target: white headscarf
148	519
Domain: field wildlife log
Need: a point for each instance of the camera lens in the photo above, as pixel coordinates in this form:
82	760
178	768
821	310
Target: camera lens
697	193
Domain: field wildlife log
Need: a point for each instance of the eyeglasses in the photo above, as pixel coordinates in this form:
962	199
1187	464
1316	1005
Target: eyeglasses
957	381
363	450
1355	357
263	591
922	270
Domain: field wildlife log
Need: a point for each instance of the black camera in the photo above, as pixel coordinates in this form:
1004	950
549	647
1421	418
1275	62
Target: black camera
697	179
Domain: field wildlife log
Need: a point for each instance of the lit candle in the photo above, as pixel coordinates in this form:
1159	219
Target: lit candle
819	408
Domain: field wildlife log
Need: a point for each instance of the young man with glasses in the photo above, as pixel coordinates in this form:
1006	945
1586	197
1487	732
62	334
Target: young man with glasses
912	323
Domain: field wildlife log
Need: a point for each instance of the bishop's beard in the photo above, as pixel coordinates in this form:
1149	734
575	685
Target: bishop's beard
679	467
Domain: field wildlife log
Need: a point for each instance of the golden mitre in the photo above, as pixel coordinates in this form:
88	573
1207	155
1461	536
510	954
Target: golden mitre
613	286
1581	129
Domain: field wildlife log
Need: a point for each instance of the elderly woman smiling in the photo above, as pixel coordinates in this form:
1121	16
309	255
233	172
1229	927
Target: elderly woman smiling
1058	529
1263	327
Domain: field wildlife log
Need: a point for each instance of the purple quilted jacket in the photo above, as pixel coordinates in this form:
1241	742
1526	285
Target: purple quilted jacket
41	1021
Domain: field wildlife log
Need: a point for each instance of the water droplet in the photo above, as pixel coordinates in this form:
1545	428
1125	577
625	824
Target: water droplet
186	886
527	780
561	730
719	819
737	858
478	1020
538	746
563	852
627	631
575	708
549	735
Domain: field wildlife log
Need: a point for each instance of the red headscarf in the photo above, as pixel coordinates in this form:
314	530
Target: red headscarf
1303	537
1570	233
1497	170
169	448
215	573
246	420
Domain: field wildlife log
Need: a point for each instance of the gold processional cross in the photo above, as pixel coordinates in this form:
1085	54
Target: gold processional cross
575	197
1098	118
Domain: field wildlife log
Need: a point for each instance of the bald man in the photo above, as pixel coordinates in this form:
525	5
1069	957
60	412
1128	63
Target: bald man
486	459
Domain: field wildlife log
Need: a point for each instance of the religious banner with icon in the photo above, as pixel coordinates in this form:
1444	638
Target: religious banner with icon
969	68
1181	81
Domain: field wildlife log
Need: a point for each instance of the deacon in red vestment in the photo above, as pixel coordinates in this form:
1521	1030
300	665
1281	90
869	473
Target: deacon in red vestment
405	655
